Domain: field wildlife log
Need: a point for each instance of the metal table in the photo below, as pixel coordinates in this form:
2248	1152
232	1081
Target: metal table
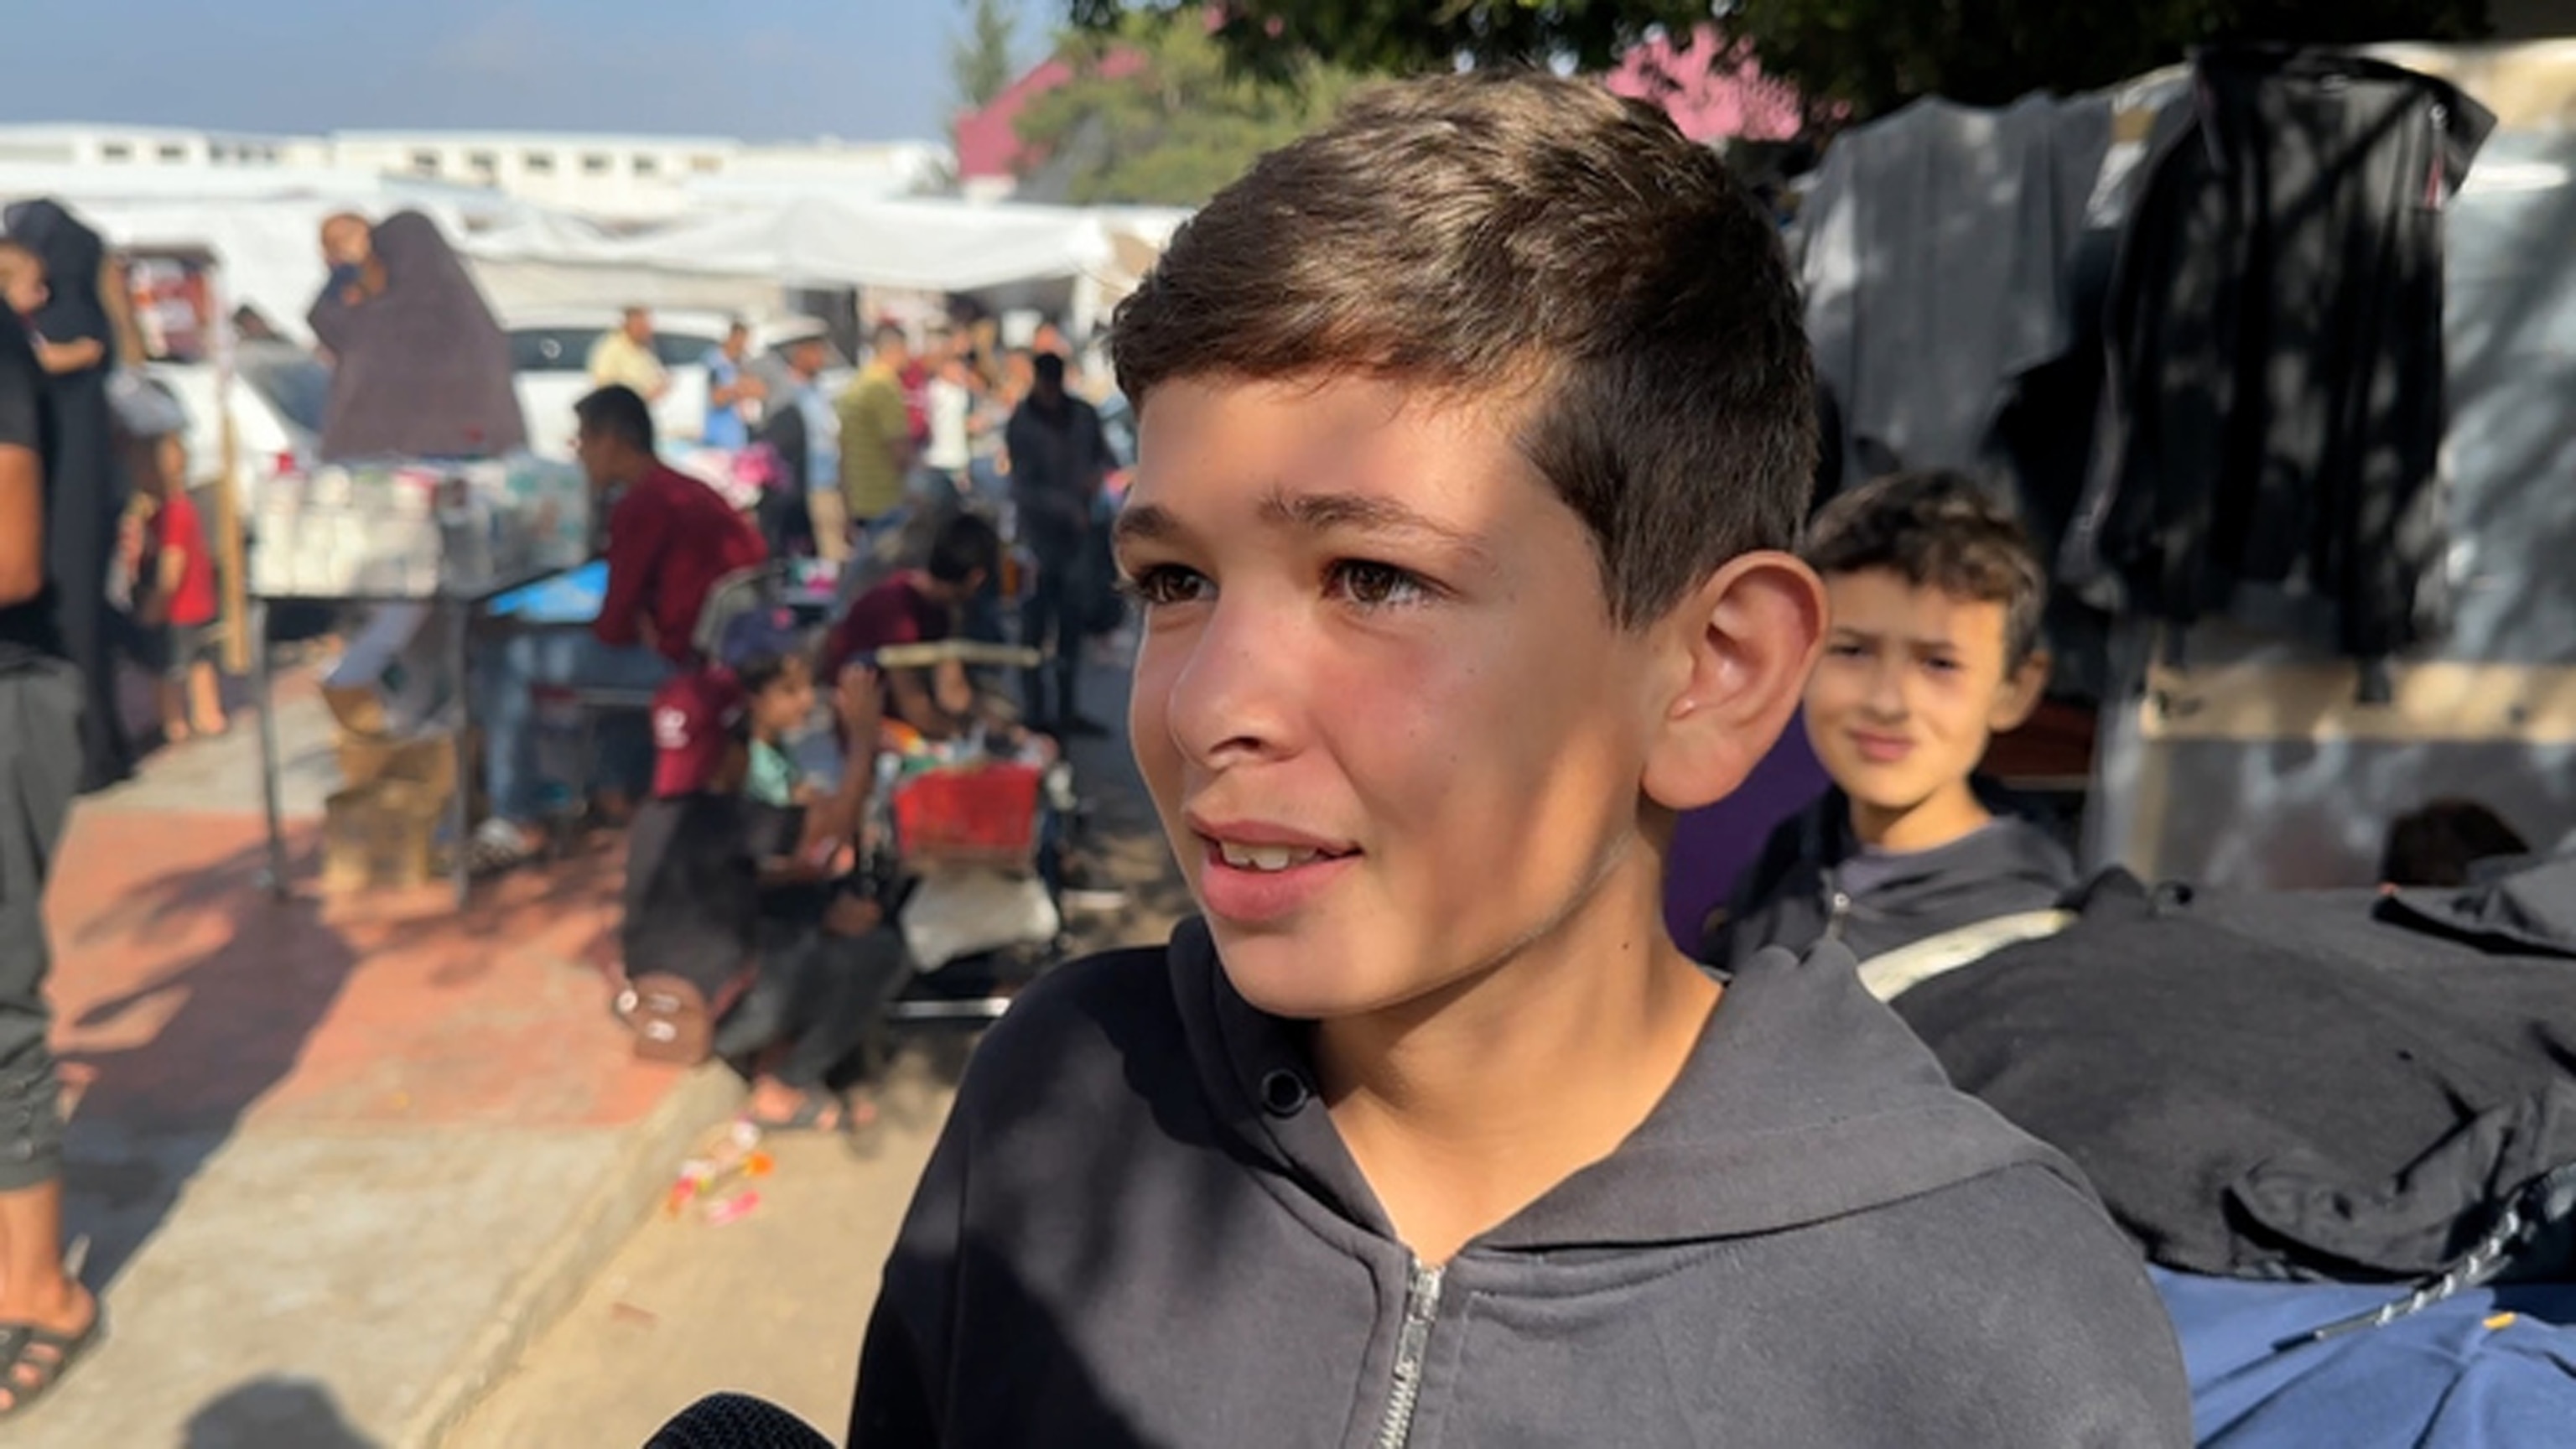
457	610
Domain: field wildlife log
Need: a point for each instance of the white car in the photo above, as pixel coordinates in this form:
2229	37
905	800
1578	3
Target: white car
550	352
279	395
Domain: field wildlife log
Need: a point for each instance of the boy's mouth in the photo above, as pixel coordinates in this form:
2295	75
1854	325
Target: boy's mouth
1256	873
1882	749
1269	859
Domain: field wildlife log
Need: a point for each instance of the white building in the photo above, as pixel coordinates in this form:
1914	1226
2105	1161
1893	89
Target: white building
609	177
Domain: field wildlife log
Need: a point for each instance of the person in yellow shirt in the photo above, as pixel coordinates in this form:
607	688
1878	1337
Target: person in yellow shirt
876	431
625	358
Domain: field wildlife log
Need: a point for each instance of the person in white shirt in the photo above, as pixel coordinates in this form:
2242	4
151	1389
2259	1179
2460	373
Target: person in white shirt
951	396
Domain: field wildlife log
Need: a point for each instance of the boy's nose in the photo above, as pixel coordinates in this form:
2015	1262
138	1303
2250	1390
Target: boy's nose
1233	695
1886	699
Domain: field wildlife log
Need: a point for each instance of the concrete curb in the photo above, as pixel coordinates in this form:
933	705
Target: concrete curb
581	1249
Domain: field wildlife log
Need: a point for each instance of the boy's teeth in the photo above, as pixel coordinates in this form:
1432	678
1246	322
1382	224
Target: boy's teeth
1264	857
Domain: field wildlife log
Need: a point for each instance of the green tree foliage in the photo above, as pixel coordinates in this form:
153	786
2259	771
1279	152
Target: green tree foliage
1869	55
980	59
1155	114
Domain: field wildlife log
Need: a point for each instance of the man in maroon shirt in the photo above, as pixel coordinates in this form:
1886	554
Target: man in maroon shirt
920	606
671	539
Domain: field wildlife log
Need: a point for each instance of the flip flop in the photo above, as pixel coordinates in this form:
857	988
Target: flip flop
811	1109
68	1349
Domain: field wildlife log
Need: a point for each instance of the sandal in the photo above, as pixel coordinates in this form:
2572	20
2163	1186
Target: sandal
501	846
816	1111
19	1340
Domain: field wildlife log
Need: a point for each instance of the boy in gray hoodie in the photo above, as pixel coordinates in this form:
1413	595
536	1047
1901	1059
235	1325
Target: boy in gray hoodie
1474	429
1932	648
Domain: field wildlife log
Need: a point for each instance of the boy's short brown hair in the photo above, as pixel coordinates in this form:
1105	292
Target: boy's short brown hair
1489	235
1941	529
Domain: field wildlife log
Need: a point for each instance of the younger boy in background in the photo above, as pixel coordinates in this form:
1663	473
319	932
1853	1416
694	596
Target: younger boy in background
1931	650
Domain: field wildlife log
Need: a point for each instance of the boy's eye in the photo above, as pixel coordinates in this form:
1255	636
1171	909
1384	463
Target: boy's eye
1377	585
1939	664
1844	649
1162	584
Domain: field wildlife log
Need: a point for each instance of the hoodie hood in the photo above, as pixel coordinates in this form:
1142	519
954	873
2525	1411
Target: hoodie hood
1806	1100
2004	867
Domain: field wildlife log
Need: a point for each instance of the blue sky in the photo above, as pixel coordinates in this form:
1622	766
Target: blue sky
872	69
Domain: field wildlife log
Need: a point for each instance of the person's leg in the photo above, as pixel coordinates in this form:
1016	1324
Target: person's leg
206	697
624	764
40	756
1043	623
506	699
830	514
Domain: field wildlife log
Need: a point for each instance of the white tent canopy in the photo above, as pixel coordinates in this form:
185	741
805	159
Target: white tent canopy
911	245
263	228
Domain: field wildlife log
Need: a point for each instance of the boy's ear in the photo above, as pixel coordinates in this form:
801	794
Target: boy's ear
2019	697
1744	642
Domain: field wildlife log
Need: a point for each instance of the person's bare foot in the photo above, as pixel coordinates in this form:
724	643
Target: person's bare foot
175	732
69	1313
777	1107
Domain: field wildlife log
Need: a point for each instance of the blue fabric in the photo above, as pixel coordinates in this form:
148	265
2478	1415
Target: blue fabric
725	427
574	658
2442	1379
571	597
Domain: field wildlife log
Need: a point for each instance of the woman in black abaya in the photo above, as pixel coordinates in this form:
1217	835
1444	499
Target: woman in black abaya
89	490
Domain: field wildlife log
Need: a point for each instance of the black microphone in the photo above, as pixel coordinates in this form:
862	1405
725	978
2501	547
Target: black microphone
736	1421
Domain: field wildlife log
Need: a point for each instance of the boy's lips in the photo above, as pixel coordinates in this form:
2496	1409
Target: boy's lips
1881	749
1256	873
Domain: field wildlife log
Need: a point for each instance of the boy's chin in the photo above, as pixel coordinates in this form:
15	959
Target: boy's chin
1300	977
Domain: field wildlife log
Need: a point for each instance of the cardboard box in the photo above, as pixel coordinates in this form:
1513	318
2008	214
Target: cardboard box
380	836
428	761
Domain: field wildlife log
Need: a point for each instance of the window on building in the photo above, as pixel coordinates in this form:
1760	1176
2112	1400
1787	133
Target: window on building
538	163
597	164
706	165
174	152
648	165
115	151
424	163
483	164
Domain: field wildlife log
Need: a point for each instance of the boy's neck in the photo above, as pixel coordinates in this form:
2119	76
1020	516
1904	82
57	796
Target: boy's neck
1952	814
1464	1108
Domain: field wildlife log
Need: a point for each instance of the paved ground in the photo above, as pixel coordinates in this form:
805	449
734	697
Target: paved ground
342	1164
774	1305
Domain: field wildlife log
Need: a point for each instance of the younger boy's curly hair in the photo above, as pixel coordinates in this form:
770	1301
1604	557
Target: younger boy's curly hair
1941	529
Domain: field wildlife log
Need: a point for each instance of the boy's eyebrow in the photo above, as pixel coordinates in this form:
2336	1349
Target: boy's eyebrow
1917	641
1360	512
1311	513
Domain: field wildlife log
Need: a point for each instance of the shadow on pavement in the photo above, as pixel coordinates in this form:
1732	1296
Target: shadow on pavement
211	1037
274	1414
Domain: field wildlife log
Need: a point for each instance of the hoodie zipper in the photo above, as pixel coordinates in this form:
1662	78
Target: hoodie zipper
1838	904
1421	1308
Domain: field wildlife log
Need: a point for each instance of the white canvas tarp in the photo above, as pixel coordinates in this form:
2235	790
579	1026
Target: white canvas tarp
912	245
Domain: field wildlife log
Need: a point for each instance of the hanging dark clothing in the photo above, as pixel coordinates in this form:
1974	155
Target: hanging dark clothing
86	483
2275	332
2324	1085
420	370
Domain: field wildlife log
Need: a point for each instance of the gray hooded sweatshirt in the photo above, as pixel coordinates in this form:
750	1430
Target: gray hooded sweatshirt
1140	1228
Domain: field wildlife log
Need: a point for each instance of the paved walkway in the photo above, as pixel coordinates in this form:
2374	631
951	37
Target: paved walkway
343	1165
337	1161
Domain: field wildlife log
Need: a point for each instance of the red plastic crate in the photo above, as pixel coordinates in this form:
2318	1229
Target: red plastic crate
984	814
